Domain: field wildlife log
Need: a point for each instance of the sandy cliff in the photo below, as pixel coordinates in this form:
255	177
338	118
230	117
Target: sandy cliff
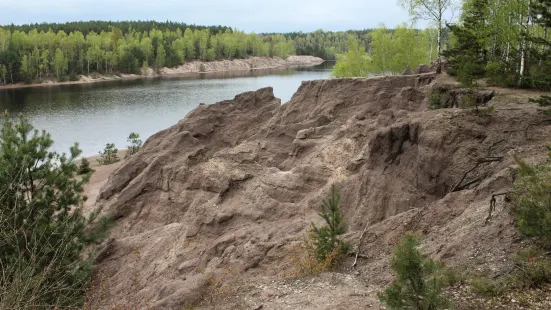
227	192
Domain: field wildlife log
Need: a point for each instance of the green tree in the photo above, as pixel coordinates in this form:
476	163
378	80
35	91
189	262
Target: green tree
468	58
109	155
354	63
417	284
328	238
381	50
43	231
135	144
532	200
161	57
3	74
434	10
60	64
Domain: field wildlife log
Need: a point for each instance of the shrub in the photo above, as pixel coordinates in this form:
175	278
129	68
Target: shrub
73	76
487	287
43	232
328	238
109	155
417	284
495	72
543	101
202	68
531	197
440	98
535	267
84	167
305	259
135	144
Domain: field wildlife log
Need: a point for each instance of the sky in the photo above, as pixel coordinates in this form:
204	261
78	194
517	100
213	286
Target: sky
247	15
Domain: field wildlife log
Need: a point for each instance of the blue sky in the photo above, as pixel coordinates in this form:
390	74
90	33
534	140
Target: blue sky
247	15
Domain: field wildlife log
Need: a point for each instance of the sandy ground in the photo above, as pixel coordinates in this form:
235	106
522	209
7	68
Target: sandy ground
99	178
228	66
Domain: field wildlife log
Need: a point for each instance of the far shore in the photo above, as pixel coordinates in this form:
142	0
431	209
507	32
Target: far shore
174	72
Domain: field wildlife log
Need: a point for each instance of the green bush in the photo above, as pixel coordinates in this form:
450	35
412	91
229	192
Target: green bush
534	266
109	155
328	238
73	76
487	287
84	167
440	98
202	68
495	72
531	198
43	231
134	146
543	101
418	284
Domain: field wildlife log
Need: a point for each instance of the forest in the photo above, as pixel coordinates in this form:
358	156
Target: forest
507	42
32	52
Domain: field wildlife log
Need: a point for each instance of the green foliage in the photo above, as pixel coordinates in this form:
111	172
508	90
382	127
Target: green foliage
109	155
495	70
418	284
43	231
535	267
134	146
84	167
328	238
202	68
440	98
354	63
390	51
532	200
467	59
487	287
543	101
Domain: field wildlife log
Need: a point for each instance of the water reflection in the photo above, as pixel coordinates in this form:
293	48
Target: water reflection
97	113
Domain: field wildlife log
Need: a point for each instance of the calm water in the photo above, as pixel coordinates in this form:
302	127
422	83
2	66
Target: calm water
100	113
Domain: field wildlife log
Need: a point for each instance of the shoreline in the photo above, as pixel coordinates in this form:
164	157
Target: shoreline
188	69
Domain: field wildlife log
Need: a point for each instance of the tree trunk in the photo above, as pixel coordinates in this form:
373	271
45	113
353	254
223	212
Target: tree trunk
439	47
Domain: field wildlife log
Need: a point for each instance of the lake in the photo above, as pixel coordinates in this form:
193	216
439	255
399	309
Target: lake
107	112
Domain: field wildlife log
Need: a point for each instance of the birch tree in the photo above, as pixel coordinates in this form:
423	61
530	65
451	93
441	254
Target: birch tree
433	10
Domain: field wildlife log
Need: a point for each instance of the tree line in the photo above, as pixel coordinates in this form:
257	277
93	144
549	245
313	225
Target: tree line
35	51
32	55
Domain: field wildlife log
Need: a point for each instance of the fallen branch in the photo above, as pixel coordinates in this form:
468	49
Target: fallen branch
359	246
481	161
534	124
493	202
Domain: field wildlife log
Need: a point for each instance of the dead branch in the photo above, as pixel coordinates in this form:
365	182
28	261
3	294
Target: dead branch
479	162
534	124
359	246
493	202
490	149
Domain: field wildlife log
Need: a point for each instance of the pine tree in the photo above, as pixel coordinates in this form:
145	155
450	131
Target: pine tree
467	59
328	238
43	232
417	285
134	146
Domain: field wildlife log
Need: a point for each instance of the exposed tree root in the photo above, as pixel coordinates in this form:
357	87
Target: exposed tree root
359	246
493	202
534	124
460	186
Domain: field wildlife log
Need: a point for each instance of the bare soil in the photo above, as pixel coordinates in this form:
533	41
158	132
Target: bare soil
210	212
